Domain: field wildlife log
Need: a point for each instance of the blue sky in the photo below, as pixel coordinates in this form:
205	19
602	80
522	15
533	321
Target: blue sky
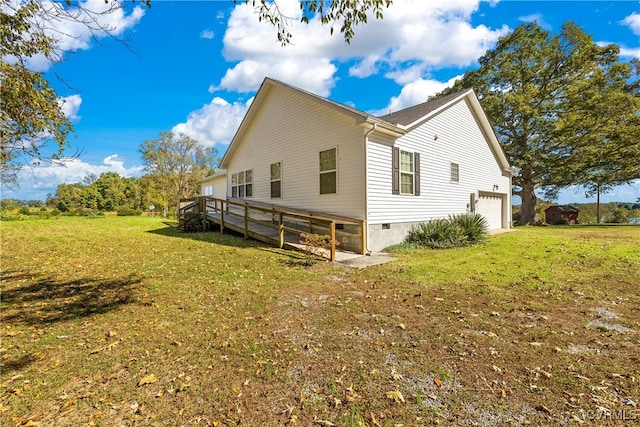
194	67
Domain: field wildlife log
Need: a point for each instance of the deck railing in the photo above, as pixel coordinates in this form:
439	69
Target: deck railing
254	219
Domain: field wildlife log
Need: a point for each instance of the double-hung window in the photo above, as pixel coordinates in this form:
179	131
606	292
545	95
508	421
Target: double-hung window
329	171
406	172
455	172
234	185
405	167
276	180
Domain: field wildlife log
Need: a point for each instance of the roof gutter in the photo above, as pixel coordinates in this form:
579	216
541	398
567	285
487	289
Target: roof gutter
384	127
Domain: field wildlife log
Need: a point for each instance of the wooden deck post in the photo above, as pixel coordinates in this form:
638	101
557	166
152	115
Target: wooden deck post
281	230
363	239
332	256
246	221
221	217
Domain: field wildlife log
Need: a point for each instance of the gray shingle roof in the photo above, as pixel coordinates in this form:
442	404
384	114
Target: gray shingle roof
409	115
564	208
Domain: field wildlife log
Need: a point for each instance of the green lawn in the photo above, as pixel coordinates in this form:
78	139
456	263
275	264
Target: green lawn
125	321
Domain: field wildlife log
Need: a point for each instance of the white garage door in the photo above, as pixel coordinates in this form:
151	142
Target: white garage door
490	206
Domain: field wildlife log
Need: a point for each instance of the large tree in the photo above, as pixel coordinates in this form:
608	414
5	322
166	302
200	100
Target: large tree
32	113
178	163
562	107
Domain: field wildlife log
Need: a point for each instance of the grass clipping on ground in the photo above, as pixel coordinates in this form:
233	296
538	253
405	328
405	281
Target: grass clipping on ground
125	321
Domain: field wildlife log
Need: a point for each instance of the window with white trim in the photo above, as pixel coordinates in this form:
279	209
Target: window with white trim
455	172
329	171
207	190
276	180
234	185
242	184
406	172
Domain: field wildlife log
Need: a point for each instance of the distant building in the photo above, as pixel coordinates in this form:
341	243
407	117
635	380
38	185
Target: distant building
562	214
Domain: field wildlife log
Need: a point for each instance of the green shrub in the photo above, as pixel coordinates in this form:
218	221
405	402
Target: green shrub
127	211
475	226
90	213
455	231
24	210
619	216
8	216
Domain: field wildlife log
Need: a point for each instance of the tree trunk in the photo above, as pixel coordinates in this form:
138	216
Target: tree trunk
529	214
598	204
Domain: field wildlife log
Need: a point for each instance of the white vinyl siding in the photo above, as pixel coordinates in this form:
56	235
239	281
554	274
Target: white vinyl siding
215	186
292	129
460	141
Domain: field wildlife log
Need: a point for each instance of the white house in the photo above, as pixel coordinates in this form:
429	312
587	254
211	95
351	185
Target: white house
299	150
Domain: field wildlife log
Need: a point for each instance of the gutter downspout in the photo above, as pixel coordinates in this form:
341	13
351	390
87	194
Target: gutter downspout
366	186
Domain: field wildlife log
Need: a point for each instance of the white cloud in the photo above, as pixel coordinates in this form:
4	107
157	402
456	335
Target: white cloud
94	19
207	34
214	123
414	93
70	106
633	22
35	182
305	63
365	68
314	75
426	35
414	38
630	53
625	52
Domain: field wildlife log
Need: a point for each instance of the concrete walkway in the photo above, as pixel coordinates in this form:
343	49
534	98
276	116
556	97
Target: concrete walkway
363	261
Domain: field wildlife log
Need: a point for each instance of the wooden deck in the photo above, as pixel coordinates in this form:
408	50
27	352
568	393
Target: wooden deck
282	227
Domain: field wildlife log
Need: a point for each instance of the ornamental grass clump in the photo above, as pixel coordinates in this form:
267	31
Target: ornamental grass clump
455	231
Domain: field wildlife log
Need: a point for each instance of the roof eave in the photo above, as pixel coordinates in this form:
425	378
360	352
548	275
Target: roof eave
384	127
219	173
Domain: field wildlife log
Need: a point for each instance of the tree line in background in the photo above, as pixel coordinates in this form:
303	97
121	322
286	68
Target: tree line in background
174	163
70	199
